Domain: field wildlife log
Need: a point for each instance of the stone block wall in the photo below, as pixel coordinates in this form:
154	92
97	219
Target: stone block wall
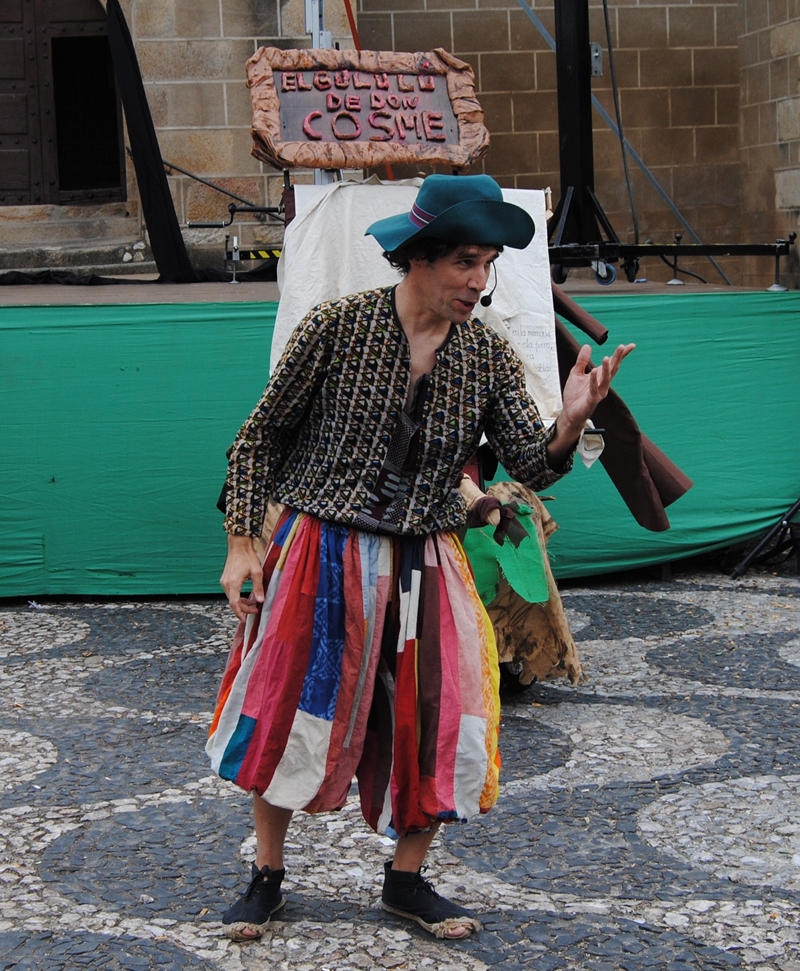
678	78
708	89
677	70
770	125
192	57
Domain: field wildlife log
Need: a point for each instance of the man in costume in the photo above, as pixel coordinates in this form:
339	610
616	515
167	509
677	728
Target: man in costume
364	649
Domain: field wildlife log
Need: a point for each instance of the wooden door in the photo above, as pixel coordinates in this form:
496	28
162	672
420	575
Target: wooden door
60	119
21	175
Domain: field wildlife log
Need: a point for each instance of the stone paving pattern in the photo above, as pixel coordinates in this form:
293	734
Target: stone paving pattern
649	817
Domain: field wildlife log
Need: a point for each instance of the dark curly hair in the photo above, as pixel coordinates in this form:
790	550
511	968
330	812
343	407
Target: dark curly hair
428	248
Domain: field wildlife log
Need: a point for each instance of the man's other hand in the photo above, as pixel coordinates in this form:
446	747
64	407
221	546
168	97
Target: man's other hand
242	564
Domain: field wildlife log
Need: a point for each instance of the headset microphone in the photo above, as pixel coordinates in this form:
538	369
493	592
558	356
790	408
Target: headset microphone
487	300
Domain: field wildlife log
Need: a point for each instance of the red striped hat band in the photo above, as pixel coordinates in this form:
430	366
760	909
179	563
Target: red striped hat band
419	217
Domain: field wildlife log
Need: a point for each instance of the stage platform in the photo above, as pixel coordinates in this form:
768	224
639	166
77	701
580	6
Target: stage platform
119	403
144	291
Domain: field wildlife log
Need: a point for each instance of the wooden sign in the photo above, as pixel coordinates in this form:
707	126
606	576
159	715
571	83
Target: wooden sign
352	109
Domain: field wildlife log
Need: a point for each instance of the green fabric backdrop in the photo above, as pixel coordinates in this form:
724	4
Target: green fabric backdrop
115	422
714	382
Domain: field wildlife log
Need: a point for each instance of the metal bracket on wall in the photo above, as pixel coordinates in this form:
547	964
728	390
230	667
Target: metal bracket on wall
597	59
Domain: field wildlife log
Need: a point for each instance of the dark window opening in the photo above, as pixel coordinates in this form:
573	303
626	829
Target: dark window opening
87	117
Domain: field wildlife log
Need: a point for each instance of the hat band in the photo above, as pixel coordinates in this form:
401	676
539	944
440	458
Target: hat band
419	217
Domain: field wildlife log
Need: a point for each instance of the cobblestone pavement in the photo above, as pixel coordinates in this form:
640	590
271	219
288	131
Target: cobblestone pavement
650	816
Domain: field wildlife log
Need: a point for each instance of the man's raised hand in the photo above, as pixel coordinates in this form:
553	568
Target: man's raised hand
586	386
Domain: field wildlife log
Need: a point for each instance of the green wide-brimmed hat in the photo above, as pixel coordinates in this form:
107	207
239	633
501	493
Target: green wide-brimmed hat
460	209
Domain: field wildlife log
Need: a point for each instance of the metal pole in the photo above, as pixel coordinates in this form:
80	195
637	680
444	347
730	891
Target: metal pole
315	25
575	145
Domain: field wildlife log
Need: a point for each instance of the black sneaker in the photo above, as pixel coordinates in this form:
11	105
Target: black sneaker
409	894
254	909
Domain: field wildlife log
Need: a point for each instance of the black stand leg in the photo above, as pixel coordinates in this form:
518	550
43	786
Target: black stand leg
785	544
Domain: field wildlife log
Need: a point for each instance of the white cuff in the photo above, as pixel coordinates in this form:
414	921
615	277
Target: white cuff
590	446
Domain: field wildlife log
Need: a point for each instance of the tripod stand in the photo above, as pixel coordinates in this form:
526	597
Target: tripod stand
787	541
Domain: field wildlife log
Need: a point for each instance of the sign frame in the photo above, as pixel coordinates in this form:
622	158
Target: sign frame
269	144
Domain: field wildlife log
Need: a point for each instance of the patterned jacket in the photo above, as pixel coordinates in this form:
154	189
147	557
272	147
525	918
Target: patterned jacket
319	439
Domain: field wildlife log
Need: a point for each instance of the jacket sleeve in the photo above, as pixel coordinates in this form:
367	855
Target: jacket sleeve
261	444
515	429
